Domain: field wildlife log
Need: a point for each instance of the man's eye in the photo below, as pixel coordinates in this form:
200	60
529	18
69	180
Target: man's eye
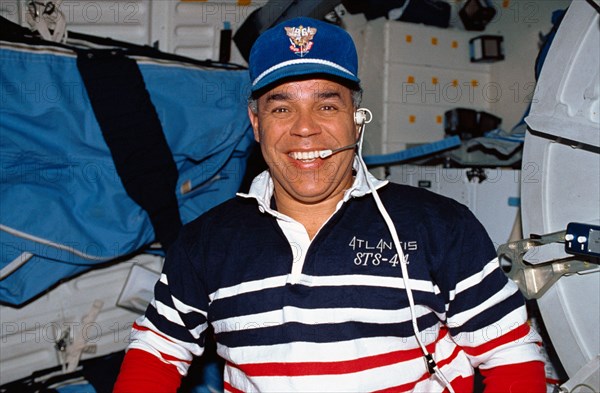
279	110
328	108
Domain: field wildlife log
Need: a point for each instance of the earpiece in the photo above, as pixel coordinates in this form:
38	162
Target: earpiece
362	116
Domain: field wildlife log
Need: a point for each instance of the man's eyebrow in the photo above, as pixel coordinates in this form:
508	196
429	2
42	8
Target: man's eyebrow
323	95
318	95
280	96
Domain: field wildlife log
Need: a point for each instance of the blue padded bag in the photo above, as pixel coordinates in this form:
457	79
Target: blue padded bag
63	207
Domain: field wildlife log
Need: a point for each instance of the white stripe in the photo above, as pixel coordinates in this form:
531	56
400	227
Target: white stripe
52	50
481	336
315	317
321	281
476	278
371	281
301	61
16	263
167	312
23	235
326	352
512	353
508	353
173	316
171	346
460	318
373	379
186	309
378	378
249	286
197	331
472	280
164	279
58	51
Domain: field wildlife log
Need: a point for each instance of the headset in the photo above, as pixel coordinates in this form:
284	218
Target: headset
364	116
360	116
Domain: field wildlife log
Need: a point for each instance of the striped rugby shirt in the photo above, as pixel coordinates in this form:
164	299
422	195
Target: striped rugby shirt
331	314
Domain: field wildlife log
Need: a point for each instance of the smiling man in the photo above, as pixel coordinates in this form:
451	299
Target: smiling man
293	123
323	278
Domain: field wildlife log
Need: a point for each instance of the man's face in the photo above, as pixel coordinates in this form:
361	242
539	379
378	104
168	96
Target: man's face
294	121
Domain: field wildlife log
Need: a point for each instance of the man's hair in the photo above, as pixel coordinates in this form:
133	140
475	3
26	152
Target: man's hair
356	99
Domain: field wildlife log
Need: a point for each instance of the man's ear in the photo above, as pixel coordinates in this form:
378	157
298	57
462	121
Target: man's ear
254	122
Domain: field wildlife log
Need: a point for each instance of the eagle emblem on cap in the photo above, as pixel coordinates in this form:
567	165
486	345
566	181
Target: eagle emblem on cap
301	39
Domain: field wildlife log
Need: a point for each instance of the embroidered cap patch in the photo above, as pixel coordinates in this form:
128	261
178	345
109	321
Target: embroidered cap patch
293	49
301	39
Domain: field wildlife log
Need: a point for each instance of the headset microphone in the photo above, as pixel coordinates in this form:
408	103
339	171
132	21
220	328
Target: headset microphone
329	152
360	119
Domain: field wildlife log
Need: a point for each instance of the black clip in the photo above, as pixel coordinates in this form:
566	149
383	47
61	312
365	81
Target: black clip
431	365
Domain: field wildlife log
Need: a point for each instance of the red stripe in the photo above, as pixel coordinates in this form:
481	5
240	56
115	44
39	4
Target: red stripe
229	388
518	377
146	329
512	336
450	359
163	355
332	368
411	385
142	372
173	358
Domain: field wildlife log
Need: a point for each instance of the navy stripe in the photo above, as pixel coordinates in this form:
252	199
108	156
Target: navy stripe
490	316
317	297
473	296
259	333
162	294
167	327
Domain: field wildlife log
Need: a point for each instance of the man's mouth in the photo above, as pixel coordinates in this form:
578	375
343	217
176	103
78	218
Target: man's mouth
305	156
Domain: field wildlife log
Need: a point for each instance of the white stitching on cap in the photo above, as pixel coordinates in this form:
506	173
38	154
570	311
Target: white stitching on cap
300	61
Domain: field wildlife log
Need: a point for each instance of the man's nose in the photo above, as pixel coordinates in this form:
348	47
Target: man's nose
306	124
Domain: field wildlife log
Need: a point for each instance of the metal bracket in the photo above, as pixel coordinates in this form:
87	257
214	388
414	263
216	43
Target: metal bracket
537	263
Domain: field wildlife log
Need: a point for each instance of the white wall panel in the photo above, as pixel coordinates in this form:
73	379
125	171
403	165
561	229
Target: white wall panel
494	201
392	53
189	28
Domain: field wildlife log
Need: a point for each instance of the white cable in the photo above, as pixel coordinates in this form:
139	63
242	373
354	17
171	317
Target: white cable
405	277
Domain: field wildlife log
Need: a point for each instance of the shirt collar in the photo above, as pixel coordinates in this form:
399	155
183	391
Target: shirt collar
262	188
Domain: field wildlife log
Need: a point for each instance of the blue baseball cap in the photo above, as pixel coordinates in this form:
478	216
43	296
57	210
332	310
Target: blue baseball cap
302	46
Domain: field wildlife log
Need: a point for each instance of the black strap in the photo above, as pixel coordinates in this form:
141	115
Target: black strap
12	32
134	135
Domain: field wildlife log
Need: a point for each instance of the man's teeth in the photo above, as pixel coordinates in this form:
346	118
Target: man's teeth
304	155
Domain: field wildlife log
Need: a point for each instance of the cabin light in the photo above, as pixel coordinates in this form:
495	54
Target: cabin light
486	48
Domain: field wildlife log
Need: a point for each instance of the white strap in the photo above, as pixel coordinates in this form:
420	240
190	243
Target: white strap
79	345
15	264
43	16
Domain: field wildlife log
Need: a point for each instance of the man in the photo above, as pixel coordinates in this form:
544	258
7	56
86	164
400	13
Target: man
302	280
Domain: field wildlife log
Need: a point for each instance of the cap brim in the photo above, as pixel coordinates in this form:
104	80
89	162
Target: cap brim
287	73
